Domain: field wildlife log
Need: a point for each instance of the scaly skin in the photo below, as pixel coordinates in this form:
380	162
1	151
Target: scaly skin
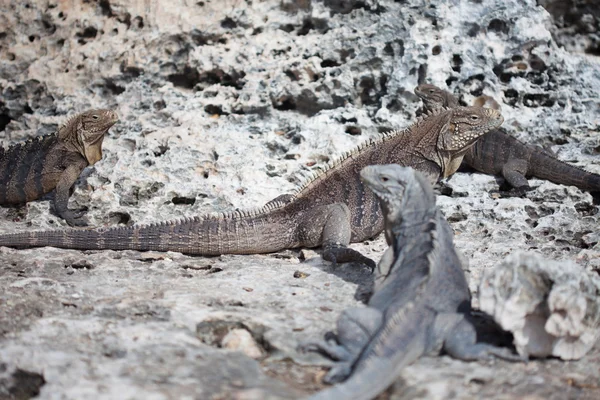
420	304
498	153
31	169
330	210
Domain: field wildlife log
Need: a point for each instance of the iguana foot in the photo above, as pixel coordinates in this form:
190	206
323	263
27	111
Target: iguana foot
75	217
342	254
338	373
330	336
78	213
78	221
461	343
342	357
333	350
503	353
520	191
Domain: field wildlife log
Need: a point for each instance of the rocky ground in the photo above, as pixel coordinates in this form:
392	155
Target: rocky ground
226	104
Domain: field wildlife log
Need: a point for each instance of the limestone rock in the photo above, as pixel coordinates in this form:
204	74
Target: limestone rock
241	340
551	307
226	104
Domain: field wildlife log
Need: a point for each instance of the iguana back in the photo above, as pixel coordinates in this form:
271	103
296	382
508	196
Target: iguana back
24	175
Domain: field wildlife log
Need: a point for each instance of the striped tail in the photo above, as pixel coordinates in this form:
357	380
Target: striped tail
232	233
375	377
547	167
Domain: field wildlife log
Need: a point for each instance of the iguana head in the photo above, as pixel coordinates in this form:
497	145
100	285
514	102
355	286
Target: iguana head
465	126
433	97
395	186
86	132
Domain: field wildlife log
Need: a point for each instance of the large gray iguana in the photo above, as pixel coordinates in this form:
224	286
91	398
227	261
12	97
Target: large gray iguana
498	153
330	210
421	302
33	168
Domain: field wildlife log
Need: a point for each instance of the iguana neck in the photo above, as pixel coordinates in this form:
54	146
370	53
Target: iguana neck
93	152
71	136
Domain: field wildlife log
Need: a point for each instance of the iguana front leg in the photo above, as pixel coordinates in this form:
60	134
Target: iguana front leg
383	268
330	227
355	327
62	194
514	172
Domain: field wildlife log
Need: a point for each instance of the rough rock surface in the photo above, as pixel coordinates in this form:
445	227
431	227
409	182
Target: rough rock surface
227	104
577	24
552	308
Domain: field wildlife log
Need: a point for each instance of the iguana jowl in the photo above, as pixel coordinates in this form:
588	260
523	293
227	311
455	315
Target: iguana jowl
331	210
498	153
33	168
420	304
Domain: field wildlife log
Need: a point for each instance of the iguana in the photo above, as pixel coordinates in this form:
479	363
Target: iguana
498	153
421	304
331	209
33	168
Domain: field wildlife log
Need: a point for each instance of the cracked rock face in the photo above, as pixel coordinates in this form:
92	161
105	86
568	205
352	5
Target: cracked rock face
552	308
227	104
577	24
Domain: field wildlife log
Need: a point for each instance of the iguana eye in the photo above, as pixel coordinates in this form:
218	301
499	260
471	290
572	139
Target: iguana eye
385	179
474	117
95	116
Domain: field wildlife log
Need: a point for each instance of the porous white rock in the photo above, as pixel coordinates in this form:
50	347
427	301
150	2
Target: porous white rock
225	104
551	307
241	340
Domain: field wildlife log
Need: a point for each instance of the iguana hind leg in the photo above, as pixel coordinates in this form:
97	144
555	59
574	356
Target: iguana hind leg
460	341
62	194
383	268
329	226
355	327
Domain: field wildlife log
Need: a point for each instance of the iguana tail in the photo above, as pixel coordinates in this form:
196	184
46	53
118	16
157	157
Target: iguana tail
381	368
544	166
233	233
375	378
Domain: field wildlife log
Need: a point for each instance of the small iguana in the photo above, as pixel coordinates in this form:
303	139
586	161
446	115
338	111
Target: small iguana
33	168
332	209
421	304
498	153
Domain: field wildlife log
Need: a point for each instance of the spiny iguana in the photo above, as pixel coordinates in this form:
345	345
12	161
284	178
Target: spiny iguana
33	168
421	304
498	153
331	209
